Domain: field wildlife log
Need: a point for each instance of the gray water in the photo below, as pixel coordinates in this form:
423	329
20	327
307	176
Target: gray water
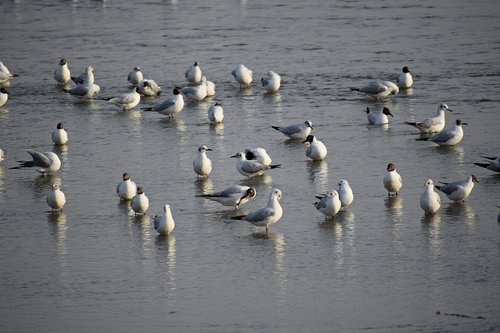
381	266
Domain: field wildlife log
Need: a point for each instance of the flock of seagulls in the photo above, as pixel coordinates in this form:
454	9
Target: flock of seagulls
253	161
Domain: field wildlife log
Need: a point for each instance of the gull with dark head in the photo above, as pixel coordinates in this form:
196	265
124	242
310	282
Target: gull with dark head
45	163
296	131
251	168
235	195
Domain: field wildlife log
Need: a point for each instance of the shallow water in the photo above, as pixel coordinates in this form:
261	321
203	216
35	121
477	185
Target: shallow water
382	266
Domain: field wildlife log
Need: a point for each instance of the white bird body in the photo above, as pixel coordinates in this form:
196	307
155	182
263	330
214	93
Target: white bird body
296	131
235	195
59	135
88	88
243	75
216	113
405	80
169	107
329	204
392	180
148	87
127	101
2	156
459	190
202	165
62	73
164	223
346	196
195	93
193	73
45	163
316	150
210	87
272	82
432	124
258	154
450	136
430	201
140	202
126	189
378	118
56	198
268	215
375	89
393	88
4	77
135	76
5	70
4	96
251	168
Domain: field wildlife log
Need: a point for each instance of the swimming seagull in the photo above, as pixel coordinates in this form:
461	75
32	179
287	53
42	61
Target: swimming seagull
378	89
328	204
5	73
164	223
251	168
316	150
378	118
126	189
459	190
45	163
392	180
59	135
272	82
4	96
216	113
450	136
493	166
140	202
126	101
405	80
62	73
148	87
346	196
296	131
169	107
432	124
56	198
88	88
265	216
193	73
243	75
430	200
235	195
202	165
196	92
135	76
258	154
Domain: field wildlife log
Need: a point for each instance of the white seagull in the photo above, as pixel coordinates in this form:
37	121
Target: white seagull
316	150
85	77
432	124
243	75
272	82
450	136
493	166
88	88
2	156
127	101
235	195
140	202
126	189
405	80
62	73
210	86
459	190
378	118
193	73
4	96
346	196
258	154
5	74
59	135
251	168
45	163
430	201
195	93
148	87
328	204
392	180
268	215
216	113
169	107
296	131
164	223
202	165
135	76
56	198
378	89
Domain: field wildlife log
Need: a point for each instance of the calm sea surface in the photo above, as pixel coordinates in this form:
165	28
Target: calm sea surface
382	266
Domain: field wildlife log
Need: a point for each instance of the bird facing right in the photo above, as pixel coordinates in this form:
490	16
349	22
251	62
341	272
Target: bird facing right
458	190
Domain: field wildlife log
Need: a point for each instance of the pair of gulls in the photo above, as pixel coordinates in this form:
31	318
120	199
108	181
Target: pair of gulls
244	76
383	88
317	150
331	203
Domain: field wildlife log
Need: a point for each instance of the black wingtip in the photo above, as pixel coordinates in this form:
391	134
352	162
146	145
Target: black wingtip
274	166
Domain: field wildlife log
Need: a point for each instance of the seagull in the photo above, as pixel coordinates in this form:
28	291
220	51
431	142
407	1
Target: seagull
45	163
149	87
56	198
62	73
85	77
316	150
493	166
243	75
405	80
59	135
328	204
378	118
140	202
2	156
272	82
4	77
135	76
459	190
193	73
345	193
430	200
432	124
258	154
210	86
4	96
251	168
202	164
88	88
392	180
164	223
394	89
296	131
450	136
126	101
377	89
268	215
6	73
126	189
195	93
235	195
169	107
215	113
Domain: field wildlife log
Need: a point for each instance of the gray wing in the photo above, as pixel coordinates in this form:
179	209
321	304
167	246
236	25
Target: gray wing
80	78
164	105
259	215
374	87
79	90
188	90
292	129
321	204
39	159
452	187
443	136
265	81
253	167
126	98
231	190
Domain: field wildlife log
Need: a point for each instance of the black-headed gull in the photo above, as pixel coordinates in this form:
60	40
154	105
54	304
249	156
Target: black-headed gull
135	76
251	168
62	73
296	131
169	107
148	87
316	150
450	136
430	201
126	188
459	190
59	135
378	118
193	73
346	196
140	202
216	113
271	82
88	88
493	166
432	124
405	80
202	165
4	96
258	154
164	223
45	163
235	195
56	198
196	92
268	215
328	204
392	180
242	75
127	101
378	89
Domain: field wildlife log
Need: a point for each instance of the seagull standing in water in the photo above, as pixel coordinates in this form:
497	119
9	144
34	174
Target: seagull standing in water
140	202
164	223
316	150
216	113
126	189
242	75
328	204
378	118
405	80
251	168
271	82
148	87
430	201
296	131
45	163
196	92
459	190
88	88
4	96
193	73
258	154
450	136
56	198
432	124
169	107
346	196
59	135
235	195
202	165
135	76
268	215
62	73
127	101
378	89
392	180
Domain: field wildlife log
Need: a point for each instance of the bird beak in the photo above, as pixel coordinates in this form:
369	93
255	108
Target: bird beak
449	109
235	155
209	149
464	123
390	114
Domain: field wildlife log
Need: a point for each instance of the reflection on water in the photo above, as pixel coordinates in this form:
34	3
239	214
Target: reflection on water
318	175
57	222
457	210
166	244
218	128
261	182
204	185
178	124
43	183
